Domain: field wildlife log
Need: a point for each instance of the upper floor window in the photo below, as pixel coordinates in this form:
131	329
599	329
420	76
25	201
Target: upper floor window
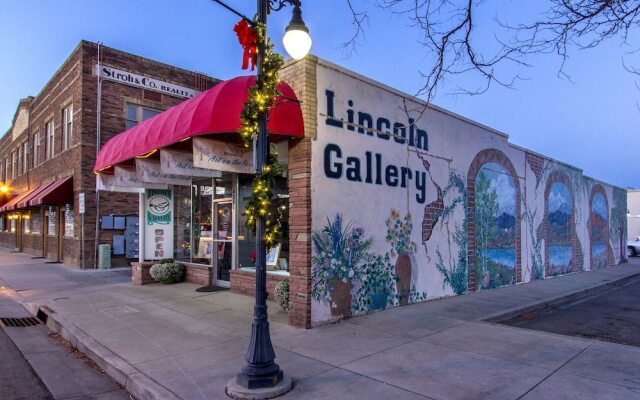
51	136
7	168
25	156
137	114
67	127
14	164
2	175
20	169
36	149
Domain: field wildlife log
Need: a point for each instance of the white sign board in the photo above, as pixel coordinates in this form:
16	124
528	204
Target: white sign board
131	79
149	172
223	156
81	203
181	163
158	225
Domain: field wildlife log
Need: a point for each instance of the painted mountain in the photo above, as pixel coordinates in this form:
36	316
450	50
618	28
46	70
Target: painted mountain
495	227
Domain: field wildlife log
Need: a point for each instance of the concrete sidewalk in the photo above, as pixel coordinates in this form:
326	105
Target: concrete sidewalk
172	342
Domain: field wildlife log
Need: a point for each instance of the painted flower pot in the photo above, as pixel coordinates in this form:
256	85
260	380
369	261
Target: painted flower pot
340	298
403	275
378	301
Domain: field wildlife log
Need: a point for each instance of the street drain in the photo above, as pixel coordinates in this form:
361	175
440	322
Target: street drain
19	322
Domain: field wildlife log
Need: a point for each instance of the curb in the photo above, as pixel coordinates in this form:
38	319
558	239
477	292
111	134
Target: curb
140	386
556	301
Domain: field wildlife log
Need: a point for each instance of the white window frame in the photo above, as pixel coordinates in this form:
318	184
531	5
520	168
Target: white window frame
36	149
25	157
14	164
20	171
139	113
50	140
67	127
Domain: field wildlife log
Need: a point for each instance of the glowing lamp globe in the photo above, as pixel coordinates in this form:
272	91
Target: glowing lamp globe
296	39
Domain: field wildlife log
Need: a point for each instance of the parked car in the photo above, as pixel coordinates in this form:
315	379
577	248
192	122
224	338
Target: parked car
633	247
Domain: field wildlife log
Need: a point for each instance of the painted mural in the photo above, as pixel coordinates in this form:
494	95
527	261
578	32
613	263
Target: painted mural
403	213
599	231
560	232
495	227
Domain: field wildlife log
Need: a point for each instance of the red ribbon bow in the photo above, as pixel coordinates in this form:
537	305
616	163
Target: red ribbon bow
248	40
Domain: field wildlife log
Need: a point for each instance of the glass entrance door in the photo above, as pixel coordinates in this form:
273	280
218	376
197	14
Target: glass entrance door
223	240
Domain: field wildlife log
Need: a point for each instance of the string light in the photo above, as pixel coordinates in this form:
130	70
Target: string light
261	98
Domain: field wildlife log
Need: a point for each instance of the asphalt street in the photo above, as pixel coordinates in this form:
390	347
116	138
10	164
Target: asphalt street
612	315
17	378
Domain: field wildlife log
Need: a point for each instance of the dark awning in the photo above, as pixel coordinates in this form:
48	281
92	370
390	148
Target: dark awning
58	193
215	111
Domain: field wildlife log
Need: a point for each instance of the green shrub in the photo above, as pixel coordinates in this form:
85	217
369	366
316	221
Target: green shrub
167	271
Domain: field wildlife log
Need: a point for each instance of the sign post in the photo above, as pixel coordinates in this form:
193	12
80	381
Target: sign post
81	210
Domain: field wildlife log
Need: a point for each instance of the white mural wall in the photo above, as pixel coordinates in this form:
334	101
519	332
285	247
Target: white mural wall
411	205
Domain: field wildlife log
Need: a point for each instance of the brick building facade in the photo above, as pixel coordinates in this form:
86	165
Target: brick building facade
54	136
435	203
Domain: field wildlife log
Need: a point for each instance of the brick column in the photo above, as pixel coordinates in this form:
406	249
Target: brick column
301	76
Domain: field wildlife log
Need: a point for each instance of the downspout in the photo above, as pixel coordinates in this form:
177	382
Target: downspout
98	129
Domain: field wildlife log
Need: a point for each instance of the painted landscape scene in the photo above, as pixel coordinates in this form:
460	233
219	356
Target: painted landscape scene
495	227
599	236
559	235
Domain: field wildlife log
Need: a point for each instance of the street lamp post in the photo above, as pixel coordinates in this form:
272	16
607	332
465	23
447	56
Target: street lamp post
261	377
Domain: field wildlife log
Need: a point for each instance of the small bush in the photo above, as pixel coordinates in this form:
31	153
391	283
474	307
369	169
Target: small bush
282	294
167	271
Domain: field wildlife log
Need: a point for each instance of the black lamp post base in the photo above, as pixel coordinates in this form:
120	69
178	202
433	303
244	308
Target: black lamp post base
261	387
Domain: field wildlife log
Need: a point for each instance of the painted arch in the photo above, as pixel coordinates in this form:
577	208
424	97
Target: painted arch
560	233
599	228
494	237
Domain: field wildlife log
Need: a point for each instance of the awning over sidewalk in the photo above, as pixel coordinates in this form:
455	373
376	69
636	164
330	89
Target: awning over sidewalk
12	204
57	193
24	202
215	111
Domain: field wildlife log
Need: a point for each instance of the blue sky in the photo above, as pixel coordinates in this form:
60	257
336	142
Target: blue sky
590	122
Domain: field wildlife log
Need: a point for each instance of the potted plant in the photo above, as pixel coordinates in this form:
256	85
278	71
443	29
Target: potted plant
399	236
379	286
337	263
167	271
282	294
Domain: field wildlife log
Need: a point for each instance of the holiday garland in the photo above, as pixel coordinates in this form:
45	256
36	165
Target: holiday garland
261	98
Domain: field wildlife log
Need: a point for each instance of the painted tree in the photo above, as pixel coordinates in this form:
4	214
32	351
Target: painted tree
486	212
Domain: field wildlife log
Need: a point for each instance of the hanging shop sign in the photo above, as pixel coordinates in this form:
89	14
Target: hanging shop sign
222	156
158	214
181	163
131	79
125	177
149	172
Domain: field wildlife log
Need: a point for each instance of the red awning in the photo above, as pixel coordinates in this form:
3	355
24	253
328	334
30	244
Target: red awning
214	111
58	193
24	202
12	204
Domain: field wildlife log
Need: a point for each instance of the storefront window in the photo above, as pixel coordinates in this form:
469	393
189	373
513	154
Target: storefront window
36	222
69	220
202	203
246	240
1	223
182	250
51	230
26	223
14	224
